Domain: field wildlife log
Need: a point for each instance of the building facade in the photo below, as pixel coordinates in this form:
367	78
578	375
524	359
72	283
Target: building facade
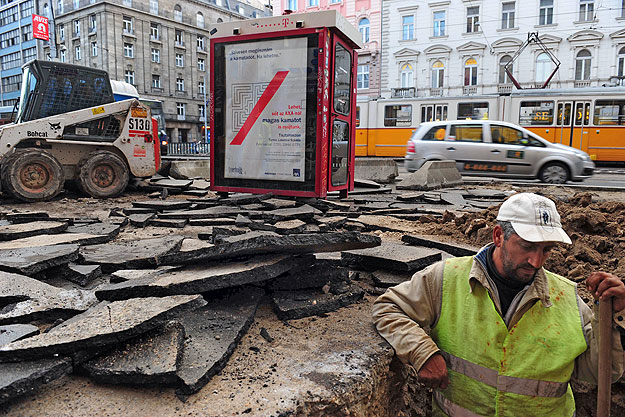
16	46
364	15
159	46
461	47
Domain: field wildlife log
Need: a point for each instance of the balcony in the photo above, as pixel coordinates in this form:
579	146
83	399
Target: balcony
403	92
157	89
179	44
581	83
469	90
617	80
504	88
436	92
181	93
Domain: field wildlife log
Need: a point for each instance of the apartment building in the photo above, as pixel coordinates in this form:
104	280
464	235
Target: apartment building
159	46
364	15
460	47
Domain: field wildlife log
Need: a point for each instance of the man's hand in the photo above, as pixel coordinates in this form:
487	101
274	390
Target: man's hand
603	285
433	373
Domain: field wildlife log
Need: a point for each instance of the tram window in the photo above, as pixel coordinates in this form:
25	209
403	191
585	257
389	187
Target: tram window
472	111
357	116
609	112
398	115
433	113
467	133
564	114
342	79
533	113
582	112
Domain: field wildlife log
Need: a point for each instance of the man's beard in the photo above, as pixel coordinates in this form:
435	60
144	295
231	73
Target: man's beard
512	271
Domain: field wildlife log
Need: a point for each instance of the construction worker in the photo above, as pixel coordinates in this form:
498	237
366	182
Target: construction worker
505	335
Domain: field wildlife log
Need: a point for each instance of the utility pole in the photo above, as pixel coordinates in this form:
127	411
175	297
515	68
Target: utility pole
205	111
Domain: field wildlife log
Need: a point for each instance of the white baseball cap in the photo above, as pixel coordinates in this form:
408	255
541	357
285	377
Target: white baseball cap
534	218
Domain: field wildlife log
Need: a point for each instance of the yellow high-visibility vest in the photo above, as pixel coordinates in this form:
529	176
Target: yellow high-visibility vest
496	371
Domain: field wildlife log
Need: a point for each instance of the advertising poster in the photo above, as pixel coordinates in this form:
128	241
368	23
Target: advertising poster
266	109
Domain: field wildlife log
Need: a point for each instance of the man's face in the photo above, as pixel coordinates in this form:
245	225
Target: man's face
521	259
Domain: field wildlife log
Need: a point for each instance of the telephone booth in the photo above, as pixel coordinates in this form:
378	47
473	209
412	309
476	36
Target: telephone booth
282	105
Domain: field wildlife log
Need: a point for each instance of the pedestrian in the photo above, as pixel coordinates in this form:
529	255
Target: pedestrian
496	334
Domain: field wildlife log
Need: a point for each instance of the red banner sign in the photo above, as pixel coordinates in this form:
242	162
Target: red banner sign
40	28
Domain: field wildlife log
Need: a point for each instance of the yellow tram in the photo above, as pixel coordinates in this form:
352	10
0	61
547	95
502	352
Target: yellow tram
591	119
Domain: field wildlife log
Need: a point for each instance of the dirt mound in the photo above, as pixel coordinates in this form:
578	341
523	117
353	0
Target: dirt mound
594	227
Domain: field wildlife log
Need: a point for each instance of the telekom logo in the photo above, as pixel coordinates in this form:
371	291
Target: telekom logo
286	21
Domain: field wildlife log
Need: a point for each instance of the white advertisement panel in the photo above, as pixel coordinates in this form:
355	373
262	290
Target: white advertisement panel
266	109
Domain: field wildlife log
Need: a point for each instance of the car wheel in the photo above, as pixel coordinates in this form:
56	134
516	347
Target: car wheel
554	173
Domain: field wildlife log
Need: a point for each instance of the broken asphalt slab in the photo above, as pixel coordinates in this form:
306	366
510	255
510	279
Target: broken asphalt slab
207	213
150	359
19	378
212	334
105	324
32	260
160	205
56	239
12	332
256	243
22	230
434	242
393	256
131	254
290	305
200	278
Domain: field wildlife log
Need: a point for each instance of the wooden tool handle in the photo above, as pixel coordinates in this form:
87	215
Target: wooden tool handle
604	390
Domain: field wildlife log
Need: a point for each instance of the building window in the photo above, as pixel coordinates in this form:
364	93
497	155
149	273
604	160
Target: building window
62	56
156	81
61	33
127	24
623	8
200	87
178	13
200	42
127	3
11	61
76	27
363	76
473	19
545	14
94	49
201	111
507	15
181	109
129	50
11	38
200	64
407	76
156	55
407	24
291	5
12	83
363	27
154	7
438	74
59	7
586	10
178	38
77	55
8	16
439	23
503	76
582	65
154	31
179	60
76	4
544	67
27	8
93	25
129	77
179	84
621	62
200	20
29	54
27	33
470	72
313	3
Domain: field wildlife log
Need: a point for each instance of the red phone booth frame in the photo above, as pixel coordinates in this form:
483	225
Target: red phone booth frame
323	31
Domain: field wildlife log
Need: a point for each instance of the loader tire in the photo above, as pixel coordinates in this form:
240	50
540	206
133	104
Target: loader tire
32	175
102	174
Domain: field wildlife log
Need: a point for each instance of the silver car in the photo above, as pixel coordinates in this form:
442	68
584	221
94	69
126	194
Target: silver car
496	149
